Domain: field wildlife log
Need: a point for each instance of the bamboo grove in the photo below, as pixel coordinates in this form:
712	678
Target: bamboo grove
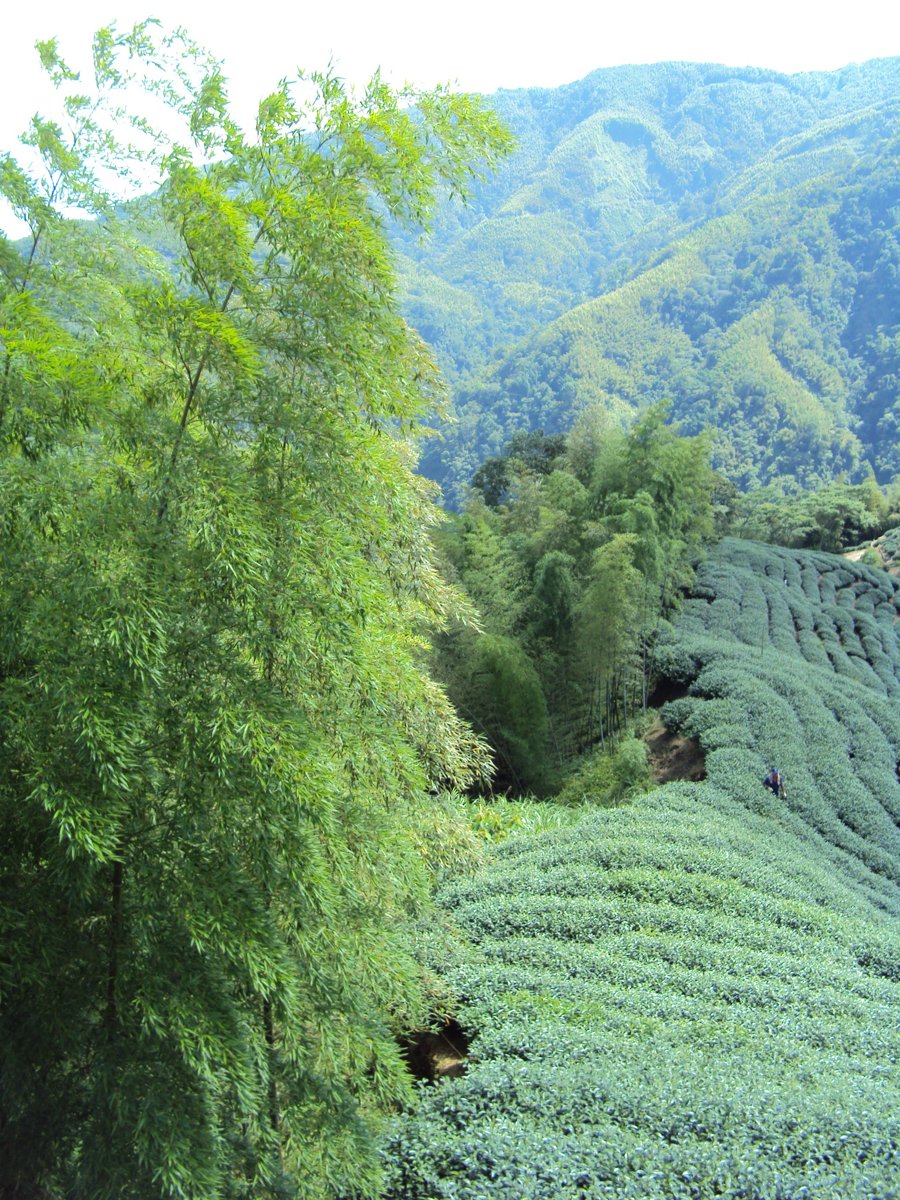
574	551
216	736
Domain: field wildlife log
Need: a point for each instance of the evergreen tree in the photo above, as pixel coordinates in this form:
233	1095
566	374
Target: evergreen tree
214	579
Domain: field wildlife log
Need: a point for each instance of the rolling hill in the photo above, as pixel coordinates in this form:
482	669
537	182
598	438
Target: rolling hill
698	994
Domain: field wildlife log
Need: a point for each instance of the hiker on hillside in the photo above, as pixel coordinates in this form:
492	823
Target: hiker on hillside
775	783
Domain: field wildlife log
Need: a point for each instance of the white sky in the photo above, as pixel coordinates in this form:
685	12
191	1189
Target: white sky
481	45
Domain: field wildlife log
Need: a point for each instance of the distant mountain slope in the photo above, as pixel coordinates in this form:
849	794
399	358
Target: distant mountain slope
659	228
698	994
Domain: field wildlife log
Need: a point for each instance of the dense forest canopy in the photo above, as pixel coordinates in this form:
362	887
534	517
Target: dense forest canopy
723	239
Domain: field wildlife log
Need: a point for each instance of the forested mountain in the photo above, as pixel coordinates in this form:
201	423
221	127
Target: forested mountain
722	238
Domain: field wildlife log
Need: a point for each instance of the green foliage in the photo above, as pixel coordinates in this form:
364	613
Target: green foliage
831	518
499	818
609	776
554	594
887	550
575	579
215	575
717	238
497	689
696	994
533	453
799	653
450	835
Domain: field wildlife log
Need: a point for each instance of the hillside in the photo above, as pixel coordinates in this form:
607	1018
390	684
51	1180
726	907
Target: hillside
722	238
697	994
883	551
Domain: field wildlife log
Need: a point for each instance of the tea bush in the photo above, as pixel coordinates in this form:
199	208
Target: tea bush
697	994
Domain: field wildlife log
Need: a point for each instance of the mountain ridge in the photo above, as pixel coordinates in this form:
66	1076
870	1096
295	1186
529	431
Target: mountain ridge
597	198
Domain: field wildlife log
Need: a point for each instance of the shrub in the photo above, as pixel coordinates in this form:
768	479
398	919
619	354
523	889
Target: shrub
611	776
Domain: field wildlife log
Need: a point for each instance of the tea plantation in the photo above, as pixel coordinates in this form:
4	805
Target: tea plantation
698	994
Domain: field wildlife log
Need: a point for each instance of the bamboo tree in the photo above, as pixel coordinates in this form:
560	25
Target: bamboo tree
606	631
215	579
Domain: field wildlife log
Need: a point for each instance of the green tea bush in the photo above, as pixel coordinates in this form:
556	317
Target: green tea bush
641	1059
697	994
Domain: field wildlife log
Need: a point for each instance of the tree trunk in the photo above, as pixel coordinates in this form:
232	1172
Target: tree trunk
274	1110
115	942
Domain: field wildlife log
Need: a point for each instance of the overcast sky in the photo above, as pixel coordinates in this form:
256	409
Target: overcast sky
479	44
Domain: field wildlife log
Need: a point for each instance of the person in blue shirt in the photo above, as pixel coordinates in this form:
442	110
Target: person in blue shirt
774	782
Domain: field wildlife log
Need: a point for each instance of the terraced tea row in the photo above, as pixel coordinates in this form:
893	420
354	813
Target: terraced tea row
698	994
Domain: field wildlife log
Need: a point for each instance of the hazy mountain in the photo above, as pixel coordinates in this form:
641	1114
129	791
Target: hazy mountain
725	238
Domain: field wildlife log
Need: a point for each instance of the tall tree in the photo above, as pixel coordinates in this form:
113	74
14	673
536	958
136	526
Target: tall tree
607	632
214	580
657	484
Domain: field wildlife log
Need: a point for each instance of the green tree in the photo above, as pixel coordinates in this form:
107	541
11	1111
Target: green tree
555	595
492	480
494	577
657	484
497	688
215	576
607	633
831	518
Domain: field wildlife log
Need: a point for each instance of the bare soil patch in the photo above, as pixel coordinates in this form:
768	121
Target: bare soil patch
672	756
